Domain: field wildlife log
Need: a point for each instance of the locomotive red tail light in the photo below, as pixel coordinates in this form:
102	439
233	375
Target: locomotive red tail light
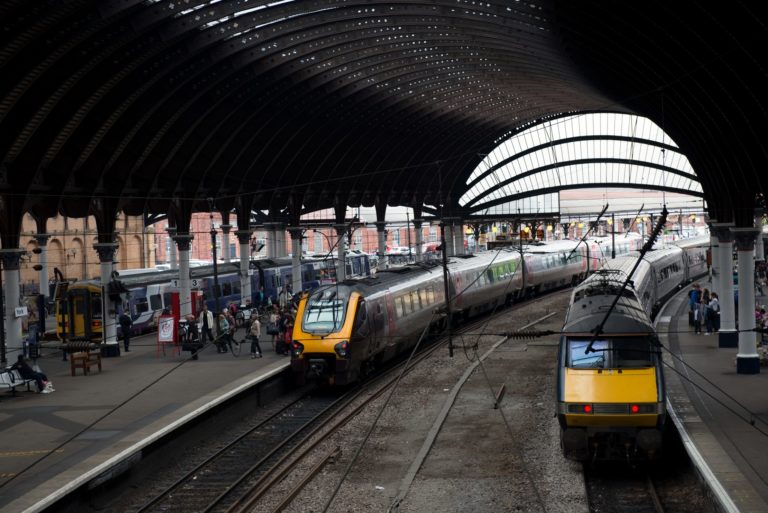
587	408
634	408
297	348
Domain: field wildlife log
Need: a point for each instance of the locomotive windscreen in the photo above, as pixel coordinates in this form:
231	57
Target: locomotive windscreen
616	353
325	311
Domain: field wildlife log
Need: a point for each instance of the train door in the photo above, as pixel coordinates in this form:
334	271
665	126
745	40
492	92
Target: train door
78	313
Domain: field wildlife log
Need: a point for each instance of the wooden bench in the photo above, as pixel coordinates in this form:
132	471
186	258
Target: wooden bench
84	360
10	379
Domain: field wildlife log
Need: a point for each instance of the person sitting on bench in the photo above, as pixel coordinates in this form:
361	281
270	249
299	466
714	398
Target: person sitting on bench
41	380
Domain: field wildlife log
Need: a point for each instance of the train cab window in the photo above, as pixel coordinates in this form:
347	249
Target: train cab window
578	358
96	306
167	299
155	303
324	311
631	353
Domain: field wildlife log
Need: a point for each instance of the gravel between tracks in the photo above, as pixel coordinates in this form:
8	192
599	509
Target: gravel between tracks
476	463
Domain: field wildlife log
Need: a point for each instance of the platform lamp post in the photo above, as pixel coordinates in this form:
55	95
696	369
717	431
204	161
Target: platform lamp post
215	263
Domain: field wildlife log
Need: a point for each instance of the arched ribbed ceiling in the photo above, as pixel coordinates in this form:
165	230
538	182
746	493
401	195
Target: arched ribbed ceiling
586	150
329	102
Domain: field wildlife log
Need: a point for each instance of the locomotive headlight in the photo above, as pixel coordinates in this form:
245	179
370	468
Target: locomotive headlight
342	349
297	348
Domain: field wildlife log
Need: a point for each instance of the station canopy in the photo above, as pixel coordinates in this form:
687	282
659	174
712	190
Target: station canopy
525	173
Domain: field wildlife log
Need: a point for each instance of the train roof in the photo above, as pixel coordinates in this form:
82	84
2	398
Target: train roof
692	242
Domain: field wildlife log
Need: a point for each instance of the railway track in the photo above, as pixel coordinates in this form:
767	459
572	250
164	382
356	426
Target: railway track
621	489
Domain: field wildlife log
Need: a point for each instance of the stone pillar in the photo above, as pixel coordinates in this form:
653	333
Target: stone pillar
11	279
42	243
728	337
279	240
341	262
380	227
458	237
184	242
747	359
106	252
296	236
172	250
225	229
417	224
244	239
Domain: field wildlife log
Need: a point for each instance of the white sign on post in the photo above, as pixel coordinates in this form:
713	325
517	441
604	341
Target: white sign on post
21	311
193	283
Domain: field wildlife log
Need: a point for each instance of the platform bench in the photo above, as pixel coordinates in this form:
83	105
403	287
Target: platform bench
10	379
84	360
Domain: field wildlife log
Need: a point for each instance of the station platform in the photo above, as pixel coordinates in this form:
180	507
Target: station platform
92	422
98	422
714	405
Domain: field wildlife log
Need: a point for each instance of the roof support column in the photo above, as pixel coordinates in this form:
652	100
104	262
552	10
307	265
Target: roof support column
747	359
381	234
184	242
225	244
10	284
417	228
244	239
714	252
296	234
448	236
728	336
458	236
172	257
341	261
106	252
759	248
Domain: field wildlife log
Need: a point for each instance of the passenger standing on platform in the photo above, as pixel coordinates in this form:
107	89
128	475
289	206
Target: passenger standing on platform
125	326
693	299
254	334
714	313
286	332
283	298
698	316
206	324
705	296
232	325
222	345
41	380
273	329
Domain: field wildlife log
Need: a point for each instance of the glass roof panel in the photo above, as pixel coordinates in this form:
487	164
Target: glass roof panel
546	144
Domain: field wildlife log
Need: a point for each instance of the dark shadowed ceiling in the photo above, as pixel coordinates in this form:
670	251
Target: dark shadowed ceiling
328	102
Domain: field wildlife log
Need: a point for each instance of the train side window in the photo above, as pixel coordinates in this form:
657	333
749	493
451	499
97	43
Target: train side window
96	306
423	297
236	287
154	302
407	307
415	300
141	306
399	307
431	295
226	289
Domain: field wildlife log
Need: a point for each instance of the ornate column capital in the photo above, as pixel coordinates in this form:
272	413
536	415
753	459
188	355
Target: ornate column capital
417	222
183	241
341	229
244	236
225	228
42	239
11	258
380	226
722	231
171	230
745	238
106	251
